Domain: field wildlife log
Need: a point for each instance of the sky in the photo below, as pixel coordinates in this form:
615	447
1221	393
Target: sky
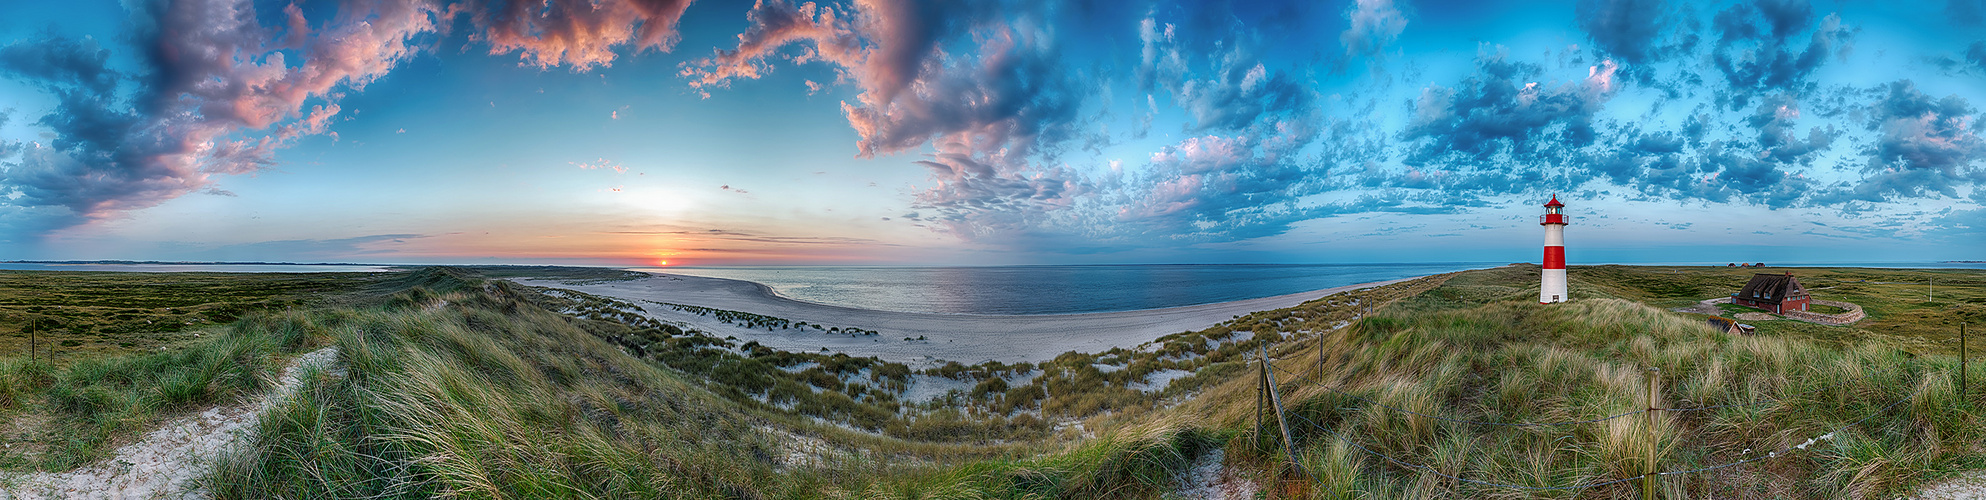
941	132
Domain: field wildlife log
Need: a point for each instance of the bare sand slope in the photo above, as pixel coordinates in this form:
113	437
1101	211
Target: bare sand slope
968	338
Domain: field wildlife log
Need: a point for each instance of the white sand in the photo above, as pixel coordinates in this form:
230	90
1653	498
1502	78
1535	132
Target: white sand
966	338
165	463
1968	486
1211	479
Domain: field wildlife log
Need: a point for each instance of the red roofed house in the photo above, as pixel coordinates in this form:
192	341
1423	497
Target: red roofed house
1773	292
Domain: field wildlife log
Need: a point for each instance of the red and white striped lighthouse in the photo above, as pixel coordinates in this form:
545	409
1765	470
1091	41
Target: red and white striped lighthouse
1552	289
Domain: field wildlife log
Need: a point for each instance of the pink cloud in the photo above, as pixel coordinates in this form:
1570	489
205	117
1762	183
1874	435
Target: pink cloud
601	164
231	91
578	34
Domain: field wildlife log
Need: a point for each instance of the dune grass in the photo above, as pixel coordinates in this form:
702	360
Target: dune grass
84	407
1519	362
453	386
480	394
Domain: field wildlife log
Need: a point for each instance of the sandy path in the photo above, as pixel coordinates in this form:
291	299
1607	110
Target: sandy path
164	463
1211	479
968	338
1968	486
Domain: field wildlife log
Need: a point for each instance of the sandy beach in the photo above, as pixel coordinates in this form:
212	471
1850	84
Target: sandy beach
964	338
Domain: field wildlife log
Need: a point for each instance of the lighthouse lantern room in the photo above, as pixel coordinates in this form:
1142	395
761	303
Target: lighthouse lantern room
1552	288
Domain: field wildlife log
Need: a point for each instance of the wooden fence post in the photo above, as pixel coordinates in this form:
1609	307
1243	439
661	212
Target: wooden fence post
1319	371
1289	445
1961	363
1648	478
1260	394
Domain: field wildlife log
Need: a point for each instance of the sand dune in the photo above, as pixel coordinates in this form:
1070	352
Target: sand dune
966	338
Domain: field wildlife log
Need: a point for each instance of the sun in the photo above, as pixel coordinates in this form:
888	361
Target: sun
661	262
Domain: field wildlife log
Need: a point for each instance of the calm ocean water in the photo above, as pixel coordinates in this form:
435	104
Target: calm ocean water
1056	289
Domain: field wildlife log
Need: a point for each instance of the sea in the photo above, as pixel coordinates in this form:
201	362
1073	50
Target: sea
1064	289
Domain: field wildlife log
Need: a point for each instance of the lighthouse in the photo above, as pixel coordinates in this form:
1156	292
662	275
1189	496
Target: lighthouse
1552	288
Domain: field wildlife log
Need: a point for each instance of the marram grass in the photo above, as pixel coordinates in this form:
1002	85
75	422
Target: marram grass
1524	363
458	387
474	393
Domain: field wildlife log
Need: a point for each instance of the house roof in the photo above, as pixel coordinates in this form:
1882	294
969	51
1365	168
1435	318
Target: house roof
1772	288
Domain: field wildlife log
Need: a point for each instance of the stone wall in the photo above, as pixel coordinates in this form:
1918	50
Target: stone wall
1854	314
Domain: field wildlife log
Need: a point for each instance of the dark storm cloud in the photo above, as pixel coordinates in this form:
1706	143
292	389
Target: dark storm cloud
1740	174
1237	90
993	97
1223	188
1976	54
1007	89
1659	142
7	148
1759	47
1971	60
218	92
1778	140
1503	109
1627	29
62	61
1922	132
1925	146
79	169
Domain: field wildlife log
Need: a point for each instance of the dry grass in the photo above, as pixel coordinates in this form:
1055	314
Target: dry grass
461	387
1519	362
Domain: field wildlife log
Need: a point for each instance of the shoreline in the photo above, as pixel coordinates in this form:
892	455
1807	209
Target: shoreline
966	338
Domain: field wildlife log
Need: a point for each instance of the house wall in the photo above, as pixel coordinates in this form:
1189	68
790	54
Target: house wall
1797	304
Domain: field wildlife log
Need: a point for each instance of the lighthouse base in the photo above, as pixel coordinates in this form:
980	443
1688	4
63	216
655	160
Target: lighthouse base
1553	289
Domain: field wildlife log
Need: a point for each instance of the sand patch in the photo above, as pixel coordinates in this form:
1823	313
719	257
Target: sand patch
1969	486
958	337
1210	479
164	464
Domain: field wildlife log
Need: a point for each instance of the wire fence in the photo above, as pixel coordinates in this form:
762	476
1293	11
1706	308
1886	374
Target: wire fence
1308	424
1314	369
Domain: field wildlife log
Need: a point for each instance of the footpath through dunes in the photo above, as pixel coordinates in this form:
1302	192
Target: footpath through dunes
957	337
168	462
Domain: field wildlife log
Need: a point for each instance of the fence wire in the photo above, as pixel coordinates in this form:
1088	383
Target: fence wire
1755	403
1801	446
1314	370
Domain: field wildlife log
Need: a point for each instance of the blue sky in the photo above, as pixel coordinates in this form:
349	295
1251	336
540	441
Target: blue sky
944	132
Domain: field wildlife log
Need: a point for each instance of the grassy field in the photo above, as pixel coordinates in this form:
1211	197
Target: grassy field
459	385
1480	349
1915	309
93	314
